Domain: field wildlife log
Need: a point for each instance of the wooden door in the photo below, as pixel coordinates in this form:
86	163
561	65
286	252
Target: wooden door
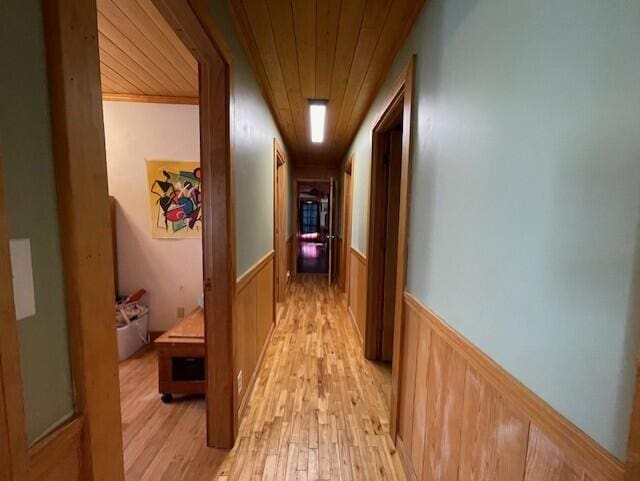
280	227
393	168
331	238
346	229
334	238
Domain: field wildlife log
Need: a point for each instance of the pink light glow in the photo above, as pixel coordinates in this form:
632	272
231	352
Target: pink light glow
310	236
310	250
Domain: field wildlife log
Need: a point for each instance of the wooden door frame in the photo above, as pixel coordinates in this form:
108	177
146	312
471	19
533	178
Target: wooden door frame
93	436
401	97
13	440
331	243
193	23
376	259
347	222
81	173
80	164
279	160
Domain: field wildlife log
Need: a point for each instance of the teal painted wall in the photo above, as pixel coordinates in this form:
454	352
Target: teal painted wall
525	192
26	152
253	135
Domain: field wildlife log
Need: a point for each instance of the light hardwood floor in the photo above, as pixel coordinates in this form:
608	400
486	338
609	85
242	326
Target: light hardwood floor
319	410
162	442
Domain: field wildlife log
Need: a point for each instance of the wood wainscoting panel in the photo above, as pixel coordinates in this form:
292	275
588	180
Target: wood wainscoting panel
494	436
255	310
57	457
358	290
546	462
445	388
408	378
265	305
362	293
352	295
244	335
462	417
423	335
339	261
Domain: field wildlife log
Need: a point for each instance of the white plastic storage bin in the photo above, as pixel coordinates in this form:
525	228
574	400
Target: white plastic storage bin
132	337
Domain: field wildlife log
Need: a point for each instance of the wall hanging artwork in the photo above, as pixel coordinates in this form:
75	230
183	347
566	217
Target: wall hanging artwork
175	198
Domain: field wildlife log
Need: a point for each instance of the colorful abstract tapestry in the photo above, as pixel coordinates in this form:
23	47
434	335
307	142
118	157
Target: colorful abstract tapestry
175	198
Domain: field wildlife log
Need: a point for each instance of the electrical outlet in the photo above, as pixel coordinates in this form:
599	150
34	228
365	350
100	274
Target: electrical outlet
180	312
240	382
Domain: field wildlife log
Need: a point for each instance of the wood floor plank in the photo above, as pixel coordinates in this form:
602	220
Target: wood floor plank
319	411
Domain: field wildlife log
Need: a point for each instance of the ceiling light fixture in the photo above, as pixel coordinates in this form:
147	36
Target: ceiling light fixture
317	116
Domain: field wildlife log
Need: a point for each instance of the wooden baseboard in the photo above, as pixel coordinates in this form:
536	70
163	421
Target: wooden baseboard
478	402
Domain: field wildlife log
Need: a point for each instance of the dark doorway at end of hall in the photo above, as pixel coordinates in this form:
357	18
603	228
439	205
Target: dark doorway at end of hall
313	227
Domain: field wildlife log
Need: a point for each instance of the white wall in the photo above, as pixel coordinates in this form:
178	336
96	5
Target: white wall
523	229
170	270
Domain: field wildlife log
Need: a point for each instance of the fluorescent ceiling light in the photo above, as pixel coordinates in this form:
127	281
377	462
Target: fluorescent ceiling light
317	115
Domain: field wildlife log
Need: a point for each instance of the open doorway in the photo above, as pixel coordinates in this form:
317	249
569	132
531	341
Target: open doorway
383	246
315	227
387	248
154	173
387	225
347	195
280	221
165	87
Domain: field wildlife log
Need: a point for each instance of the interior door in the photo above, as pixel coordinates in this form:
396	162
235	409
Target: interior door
330	240
346	231
281	228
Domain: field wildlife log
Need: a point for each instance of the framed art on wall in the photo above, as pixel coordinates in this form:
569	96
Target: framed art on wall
175	199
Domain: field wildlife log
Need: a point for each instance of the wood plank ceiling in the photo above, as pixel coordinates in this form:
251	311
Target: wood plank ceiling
339	50
141	57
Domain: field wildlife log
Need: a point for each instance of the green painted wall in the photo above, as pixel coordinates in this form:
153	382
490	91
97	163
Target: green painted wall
253	135
25	148
525	192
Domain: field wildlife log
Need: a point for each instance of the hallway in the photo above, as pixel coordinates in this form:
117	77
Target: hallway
319	410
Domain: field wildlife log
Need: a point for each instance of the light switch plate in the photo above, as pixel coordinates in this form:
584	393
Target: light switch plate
21	267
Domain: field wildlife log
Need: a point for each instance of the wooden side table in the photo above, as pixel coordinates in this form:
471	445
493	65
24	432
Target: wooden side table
181	358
